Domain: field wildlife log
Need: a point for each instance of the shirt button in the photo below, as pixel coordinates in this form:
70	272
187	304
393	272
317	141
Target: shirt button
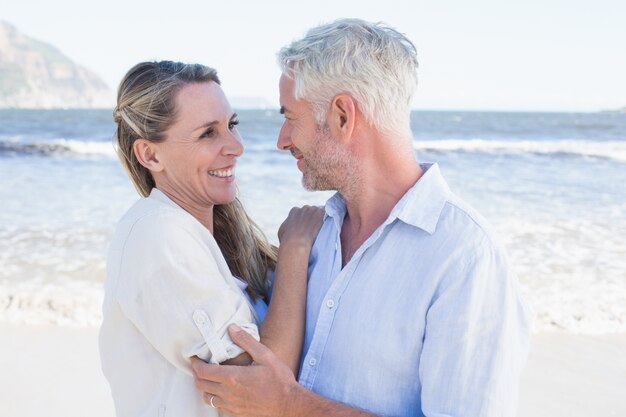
330	303
312	361
199	317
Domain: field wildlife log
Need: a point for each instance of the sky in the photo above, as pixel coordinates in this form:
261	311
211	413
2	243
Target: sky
532	55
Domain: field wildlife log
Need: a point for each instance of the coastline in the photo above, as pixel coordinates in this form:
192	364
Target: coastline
55	370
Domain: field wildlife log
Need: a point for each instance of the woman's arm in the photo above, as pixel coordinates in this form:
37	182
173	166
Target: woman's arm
283	328
169	281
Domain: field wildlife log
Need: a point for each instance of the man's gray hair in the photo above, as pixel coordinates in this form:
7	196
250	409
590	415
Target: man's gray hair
372	62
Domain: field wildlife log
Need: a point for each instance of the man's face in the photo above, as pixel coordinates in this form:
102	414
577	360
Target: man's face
319	158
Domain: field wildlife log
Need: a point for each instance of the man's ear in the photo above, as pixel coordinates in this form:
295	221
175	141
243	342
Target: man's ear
146	153
342	116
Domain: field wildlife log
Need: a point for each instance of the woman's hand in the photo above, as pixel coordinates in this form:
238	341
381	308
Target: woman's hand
301	227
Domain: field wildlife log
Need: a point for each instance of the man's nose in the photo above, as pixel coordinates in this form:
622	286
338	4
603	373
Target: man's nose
284	138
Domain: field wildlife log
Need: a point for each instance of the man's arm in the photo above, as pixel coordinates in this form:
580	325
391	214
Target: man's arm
267	388
476	339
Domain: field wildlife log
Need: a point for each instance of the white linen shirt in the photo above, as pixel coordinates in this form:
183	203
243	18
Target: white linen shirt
426	319
169	295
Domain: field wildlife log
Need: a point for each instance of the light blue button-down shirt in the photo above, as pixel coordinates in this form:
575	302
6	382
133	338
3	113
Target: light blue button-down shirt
426	318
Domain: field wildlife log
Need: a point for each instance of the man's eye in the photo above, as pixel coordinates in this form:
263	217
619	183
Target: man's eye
232	124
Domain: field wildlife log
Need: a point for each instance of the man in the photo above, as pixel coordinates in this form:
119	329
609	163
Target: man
411	307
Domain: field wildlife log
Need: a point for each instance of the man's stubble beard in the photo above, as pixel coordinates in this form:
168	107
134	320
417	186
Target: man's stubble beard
330	166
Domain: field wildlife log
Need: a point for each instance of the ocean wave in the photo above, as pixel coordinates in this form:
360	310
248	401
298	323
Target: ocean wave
615	150
56	278
58	147
74	304
72	147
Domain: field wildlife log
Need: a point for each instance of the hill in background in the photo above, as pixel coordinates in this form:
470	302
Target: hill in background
34	74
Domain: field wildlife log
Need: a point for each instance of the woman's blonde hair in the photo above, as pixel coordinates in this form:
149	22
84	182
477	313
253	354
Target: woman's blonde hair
145	109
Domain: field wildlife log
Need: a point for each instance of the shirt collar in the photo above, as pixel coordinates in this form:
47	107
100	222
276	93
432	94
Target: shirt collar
420	206
159	195
335	208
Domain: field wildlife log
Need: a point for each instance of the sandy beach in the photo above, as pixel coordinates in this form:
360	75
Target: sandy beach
55	371
572	375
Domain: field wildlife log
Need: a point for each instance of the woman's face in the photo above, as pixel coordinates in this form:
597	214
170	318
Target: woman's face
200	151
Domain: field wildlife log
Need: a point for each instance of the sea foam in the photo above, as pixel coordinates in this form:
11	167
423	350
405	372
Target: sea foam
615	150
59	148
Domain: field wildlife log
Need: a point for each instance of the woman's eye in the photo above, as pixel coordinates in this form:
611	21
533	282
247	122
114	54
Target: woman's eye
208	133
232	124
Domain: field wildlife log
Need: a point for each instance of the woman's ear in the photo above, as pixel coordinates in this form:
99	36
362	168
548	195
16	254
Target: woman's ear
342	116
146	153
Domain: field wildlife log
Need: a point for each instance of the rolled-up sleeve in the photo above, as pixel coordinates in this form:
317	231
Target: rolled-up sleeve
476	339
171	288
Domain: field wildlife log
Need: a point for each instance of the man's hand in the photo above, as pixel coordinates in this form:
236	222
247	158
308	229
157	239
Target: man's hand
265	388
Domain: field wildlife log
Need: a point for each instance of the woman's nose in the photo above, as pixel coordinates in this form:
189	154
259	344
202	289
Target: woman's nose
234	146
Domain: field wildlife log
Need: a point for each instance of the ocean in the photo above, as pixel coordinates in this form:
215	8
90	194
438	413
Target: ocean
553	185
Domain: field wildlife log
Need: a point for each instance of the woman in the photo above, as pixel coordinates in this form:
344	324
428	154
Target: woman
171	289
